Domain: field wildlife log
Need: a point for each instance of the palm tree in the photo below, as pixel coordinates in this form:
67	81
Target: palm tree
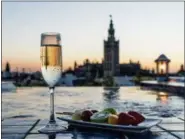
75	65
7	68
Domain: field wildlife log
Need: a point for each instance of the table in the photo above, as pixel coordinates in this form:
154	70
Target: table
20	128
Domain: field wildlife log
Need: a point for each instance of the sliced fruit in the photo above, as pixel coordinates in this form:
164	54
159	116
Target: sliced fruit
86	115
100	117
139	118
76	116
113	119
110	110
126	119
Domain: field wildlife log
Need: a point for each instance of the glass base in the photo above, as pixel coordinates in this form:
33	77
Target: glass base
52	128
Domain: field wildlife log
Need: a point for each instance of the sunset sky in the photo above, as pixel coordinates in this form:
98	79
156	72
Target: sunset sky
145	30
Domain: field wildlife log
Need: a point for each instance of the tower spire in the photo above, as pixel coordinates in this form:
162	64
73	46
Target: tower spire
111	28
110	17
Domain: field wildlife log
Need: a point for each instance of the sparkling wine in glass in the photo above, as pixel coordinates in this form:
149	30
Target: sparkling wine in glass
51	67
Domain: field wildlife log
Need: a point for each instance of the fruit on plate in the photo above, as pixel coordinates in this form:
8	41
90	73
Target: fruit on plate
76	116
79	111
94	111
126	119
110	110
100	117
86	115
139	118
113	119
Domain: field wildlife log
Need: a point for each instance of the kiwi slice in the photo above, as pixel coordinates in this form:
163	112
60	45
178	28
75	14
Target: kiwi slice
100	117
110	110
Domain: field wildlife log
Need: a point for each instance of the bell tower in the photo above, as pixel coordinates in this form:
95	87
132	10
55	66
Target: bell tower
111	52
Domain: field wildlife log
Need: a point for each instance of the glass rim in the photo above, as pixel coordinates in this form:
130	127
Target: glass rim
50	33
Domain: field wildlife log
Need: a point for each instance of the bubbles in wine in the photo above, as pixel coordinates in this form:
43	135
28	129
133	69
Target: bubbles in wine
51	64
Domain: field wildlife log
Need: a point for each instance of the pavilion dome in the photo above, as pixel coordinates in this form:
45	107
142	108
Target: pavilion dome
162	57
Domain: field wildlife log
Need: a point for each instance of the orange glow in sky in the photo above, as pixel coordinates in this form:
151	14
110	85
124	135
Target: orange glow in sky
145	30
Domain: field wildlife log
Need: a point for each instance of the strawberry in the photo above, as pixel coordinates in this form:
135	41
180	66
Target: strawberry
126	119
139	118
94	111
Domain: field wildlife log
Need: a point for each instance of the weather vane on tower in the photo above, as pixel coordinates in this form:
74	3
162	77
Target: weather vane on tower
110	16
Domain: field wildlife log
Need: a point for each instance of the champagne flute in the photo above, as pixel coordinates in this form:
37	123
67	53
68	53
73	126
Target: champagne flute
51	67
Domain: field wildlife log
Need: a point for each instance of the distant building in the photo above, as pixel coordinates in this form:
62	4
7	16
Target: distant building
129	69
111	53
110	63
181	72
89	70
67	79
37	75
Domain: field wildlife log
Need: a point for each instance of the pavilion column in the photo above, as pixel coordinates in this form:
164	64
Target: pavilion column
167	68
157	67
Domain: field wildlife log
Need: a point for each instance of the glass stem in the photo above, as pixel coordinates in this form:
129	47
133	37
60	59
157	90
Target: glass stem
52	115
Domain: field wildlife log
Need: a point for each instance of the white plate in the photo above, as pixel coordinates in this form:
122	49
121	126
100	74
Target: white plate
140	128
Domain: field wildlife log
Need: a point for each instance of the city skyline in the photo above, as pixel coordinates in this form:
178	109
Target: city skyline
145	30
